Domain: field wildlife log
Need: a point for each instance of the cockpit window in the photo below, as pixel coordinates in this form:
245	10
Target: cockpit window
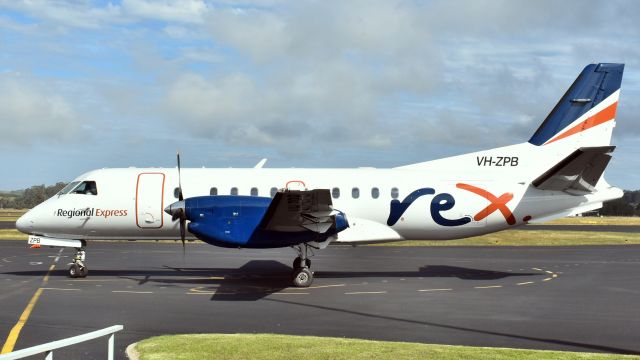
68	188
86	188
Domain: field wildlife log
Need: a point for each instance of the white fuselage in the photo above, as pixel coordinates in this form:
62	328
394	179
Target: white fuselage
129	202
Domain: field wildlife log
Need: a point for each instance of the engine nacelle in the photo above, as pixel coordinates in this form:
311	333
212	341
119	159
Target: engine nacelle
239	221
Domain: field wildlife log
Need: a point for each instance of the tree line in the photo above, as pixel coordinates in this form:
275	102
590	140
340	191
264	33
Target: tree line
628	205
29	198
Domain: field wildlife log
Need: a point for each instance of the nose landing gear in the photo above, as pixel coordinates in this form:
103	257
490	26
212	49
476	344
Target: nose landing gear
77	268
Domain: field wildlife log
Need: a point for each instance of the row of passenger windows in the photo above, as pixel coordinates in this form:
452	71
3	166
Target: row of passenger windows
335	192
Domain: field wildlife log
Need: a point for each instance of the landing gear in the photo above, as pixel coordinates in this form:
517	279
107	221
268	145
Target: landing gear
78	268
302	274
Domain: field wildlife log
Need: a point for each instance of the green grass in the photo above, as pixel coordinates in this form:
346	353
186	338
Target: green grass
503	238
592	220
275	347
12	234
531	238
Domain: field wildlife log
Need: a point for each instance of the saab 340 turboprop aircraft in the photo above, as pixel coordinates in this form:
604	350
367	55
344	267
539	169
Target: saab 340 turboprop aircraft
557	173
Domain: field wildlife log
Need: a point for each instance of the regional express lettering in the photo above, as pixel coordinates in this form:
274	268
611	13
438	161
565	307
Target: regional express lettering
90	212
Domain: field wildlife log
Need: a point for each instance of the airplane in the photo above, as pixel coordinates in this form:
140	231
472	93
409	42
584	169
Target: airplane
557	173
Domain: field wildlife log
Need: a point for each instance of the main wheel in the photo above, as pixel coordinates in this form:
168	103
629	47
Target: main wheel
303	278
74	271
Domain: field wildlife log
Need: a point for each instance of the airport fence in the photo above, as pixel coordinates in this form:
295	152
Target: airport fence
48	348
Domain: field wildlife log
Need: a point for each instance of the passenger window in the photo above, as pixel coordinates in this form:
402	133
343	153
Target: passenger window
375	192
335	192
234	191
213	191
395	193
254	191
86	188
355	193
274	190
176	193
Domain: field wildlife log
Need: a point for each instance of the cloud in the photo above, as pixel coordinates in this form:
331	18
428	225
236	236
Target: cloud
75	14
315	80
31	113
188	11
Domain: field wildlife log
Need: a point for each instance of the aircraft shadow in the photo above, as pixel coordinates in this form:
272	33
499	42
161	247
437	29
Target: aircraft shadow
259	278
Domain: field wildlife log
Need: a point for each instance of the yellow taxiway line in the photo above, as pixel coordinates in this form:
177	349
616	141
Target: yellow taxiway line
15	331
10	343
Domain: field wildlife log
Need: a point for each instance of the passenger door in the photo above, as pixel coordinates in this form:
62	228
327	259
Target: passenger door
149	200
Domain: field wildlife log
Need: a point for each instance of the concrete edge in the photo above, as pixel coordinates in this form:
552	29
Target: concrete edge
132	353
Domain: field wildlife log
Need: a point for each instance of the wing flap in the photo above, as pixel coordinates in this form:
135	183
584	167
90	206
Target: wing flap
300	210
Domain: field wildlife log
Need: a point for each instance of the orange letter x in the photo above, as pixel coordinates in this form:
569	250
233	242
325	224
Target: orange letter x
497	203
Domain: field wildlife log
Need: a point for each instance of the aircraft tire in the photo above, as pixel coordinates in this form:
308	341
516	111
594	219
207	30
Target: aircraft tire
74	271
303	278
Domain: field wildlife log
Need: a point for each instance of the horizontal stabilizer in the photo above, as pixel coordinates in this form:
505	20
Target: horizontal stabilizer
577	173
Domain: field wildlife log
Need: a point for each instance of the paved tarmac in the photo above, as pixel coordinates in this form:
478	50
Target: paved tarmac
7	224
568	298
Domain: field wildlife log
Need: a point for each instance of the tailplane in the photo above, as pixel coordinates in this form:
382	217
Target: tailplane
578	173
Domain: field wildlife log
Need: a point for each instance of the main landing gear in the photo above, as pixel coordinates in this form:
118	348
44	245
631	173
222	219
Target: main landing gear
77	268
302	274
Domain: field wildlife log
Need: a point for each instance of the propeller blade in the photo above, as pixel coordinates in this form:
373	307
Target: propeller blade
180	197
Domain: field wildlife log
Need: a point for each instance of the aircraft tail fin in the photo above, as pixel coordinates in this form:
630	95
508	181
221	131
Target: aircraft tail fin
578	173
585	115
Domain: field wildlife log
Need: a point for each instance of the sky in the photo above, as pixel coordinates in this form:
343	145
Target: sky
94	84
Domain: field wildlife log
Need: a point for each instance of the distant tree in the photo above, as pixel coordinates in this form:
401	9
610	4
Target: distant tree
35	195
618	207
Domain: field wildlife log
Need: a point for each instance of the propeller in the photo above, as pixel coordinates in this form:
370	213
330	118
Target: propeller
177	209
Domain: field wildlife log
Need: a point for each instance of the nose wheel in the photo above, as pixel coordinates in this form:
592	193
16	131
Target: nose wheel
78	269
302	274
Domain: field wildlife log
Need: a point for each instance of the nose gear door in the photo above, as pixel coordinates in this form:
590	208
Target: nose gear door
149	200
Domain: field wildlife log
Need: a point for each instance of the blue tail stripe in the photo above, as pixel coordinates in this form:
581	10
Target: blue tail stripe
594	84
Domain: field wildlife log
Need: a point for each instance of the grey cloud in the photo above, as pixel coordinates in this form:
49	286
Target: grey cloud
31	112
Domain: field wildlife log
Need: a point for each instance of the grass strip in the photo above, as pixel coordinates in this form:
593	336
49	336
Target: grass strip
594	220
531	238
275	347
503	238
12	234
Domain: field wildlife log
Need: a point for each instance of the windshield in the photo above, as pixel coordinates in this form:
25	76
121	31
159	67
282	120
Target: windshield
68	188
86	188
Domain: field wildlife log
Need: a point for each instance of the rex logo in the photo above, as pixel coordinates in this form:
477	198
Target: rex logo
495	203
446	201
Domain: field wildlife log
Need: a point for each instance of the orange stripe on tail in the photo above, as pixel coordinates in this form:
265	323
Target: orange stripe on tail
607	114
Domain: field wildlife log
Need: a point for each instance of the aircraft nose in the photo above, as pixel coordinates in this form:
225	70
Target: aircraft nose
25	223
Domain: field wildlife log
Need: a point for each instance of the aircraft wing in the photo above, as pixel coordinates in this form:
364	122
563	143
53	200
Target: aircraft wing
578	172
297	210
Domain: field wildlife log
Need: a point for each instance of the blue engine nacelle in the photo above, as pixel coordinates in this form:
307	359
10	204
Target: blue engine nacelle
239	221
